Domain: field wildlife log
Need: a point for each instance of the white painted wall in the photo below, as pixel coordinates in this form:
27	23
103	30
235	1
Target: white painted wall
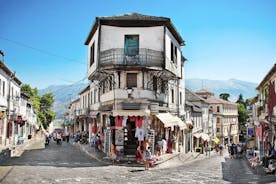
94	40
149	37
173	67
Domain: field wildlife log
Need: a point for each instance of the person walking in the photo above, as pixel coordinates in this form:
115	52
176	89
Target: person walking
67	134
146	154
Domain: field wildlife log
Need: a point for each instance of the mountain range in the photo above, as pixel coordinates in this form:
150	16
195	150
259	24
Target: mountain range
63	94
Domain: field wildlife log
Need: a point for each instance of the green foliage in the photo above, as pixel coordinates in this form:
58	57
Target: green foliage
26	89
224	96
42	105
242	112
241	100
242	116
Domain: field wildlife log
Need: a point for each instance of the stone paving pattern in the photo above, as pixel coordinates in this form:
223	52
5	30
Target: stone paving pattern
69	163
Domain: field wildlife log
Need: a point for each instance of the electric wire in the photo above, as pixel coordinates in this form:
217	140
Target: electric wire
41	50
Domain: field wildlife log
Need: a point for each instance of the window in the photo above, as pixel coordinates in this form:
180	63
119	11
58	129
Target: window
154	83
92	54
11	93
131	45
218	120
218	109
163	86
95	95
110	84
131	80
4	88
173	53
91	97
172	96
180	98
103	87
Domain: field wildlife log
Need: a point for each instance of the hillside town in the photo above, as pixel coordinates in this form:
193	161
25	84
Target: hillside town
136	103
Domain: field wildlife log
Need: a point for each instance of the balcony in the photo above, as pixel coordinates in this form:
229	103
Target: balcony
145	58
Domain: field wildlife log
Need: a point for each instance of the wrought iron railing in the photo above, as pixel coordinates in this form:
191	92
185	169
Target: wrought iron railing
146	57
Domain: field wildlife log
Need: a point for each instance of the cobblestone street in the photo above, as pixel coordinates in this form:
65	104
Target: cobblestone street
68	164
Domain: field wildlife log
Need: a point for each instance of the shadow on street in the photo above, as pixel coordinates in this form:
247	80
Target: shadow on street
63	155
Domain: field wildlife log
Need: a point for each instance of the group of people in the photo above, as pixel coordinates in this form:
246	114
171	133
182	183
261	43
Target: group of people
81	137
57	136
236	150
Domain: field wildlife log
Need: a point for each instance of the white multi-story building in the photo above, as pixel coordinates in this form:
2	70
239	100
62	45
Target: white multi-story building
202	120
136	73
225	117
17	115
9	97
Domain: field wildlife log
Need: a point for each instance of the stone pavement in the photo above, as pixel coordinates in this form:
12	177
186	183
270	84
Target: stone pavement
102	157
18	150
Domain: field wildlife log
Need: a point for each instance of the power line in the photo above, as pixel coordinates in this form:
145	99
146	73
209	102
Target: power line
41	50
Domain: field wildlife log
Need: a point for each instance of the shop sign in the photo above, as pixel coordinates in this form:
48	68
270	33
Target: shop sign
250	131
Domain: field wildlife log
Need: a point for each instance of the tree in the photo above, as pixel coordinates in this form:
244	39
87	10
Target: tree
224	96
241	100
47	115
42	105
242	112
242	116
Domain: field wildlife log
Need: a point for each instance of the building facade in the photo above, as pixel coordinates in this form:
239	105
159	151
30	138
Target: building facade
225	117
202	120
136	90
264	111
17	116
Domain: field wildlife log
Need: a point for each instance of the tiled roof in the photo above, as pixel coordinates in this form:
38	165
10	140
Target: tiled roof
134	20
134	16
204	91
192	96
215	100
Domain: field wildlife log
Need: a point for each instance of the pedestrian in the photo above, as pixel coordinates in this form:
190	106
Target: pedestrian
271	154
146	154
67	134
220	150
59	140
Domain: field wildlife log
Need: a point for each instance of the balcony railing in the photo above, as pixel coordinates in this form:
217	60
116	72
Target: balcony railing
145	58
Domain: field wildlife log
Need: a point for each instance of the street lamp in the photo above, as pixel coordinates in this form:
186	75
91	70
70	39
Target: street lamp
129	92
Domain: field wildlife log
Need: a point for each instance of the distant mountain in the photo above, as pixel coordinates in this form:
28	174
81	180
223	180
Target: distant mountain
63	94
232	86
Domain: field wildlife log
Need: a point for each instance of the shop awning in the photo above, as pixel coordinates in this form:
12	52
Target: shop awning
180	123
93	114
205	137
130	112
170	120
197	135
167	119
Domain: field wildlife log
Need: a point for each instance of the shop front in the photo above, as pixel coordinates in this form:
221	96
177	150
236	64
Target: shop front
125	130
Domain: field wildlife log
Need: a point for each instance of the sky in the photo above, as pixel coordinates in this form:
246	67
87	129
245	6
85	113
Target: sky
43	41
